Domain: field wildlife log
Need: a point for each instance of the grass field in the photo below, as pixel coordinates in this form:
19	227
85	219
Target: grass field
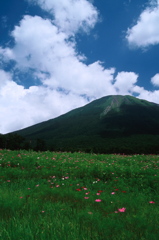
77	196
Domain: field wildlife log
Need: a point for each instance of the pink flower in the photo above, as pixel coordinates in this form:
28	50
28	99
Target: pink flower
151	202
86	197
98	200
122	209
97	193
113	193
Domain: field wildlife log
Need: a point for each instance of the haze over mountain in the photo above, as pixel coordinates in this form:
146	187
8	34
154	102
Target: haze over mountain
109	124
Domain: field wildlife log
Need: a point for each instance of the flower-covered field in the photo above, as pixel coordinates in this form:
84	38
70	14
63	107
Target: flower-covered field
77	196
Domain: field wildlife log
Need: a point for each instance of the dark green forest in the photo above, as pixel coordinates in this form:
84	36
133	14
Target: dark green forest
135	144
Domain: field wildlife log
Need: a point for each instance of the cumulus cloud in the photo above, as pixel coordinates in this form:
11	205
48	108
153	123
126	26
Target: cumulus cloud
54	59
125	82
145	32
51	55
155	80
70	16
22	107
149	96
36	47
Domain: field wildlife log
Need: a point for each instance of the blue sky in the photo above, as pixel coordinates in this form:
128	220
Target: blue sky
59	55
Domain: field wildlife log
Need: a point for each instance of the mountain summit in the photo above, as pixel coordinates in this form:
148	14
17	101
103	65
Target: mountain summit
112	123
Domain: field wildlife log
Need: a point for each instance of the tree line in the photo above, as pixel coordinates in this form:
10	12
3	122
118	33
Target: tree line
137	144
17	142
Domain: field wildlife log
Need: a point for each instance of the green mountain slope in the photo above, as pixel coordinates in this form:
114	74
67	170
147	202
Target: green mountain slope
110	124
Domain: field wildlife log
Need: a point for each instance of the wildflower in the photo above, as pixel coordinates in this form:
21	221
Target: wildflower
122	209
86	197
113	193
20	197
90	213
151	202
78	189
97	193
98	200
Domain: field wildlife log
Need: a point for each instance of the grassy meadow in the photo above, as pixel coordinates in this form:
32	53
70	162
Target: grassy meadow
78	196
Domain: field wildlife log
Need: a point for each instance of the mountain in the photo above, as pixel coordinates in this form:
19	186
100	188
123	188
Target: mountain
110	124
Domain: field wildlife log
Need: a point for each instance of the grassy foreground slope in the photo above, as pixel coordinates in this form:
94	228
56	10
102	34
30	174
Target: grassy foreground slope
77	196
112	124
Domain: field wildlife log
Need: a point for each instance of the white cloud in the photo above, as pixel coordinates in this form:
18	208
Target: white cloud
155	80
152	96
57	57
35	46
149	96
22	107
4	78
70	16
51	54
125	82
145	32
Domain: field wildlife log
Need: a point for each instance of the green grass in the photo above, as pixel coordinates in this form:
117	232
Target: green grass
52	195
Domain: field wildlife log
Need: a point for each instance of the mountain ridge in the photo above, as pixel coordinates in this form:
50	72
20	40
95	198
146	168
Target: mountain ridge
108	119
